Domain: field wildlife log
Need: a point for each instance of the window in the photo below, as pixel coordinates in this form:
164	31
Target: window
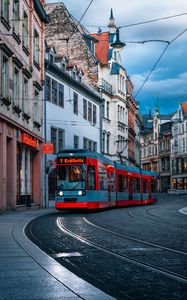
107	110
74	75
89	144
54	138
91	177
48	88
95	146
5	9
16	20
103	142
51	58
122	183
76	142
25	95
16	87
75	103
107	142
89	111
94	114
63	66
60	139
36	106
57	138
85	109
136	185
54	91
25	30
5	77
102	178
61	95
36	50
145	186
85	143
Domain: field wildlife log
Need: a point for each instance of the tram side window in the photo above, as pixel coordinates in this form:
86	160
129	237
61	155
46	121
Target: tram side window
154	185
122	183
136	185
61	171
91	177
103	180
145	186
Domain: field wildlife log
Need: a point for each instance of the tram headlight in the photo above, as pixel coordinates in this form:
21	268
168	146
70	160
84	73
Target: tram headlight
60	193
81	193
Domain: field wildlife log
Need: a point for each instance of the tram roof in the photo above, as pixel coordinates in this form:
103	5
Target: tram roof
92	154
84	153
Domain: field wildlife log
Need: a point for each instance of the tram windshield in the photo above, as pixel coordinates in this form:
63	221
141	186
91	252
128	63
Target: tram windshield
71	177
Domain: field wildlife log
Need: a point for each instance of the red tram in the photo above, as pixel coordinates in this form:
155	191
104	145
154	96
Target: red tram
89	180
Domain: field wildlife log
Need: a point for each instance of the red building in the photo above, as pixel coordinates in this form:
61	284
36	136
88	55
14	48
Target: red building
22	27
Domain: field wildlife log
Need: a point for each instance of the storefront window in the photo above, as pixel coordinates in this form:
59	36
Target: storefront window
24	175
185	183
185	165
180	183
180	165
174	183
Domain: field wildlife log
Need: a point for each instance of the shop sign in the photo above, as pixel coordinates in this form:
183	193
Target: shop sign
29	140
47	148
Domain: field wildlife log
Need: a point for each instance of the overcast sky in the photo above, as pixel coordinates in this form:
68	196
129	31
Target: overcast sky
167	84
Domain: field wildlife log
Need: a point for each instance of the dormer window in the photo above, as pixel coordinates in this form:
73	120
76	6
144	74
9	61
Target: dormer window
80	74
63	66
80	78
51	58
74	75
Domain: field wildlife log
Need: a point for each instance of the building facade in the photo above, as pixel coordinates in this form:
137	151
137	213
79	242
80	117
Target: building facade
164	152
98	55
179	150
22	27
112	80
156	147
73	110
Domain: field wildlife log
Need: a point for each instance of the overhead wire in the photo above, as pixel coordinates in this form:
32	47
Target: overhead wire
143	22
156	63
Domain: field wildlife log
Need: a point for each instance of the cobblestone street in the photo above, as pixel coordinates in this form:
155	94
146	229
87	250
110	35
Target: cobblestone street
129	253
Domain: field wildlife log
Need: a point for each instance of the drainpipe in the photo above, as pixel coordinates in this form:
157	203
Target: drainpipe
101	119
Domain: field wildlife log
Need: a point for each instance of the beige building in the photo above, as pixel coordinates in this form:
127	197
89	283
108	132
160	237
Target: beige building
22	26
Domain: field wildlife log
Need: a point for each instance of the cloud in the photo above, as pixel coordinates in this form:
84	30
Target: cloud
167	85
169	76
169	91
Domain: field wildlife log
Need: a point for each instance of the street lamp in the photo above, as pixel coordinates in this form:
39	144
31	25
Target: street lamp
118	45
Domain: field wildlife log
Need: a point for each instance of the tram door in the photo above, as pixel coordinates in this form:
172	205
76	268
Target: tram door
110	181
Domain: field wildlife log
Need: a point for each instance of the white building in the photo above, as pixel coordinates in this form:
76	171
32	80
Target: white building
72	114
179	150
112	81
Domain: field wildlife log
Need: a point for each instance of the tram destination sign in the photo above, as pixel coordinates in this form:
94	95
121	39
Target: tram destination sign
71	160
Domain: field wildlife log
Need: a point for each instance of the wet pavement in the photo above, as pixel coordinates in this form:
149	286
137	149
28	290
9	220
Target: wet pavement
101	258
26	272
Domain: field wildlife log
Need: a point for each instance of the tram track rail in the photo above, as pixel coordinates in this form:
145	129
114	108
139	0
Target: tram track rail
124	257
133	239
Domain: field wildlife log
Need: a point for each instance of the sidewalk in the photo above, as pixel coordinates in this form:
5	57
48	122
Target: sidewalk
26	272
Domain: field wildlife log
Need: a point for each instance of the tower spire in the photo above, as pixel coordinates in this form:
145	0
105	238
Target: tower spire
111	14
111	24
